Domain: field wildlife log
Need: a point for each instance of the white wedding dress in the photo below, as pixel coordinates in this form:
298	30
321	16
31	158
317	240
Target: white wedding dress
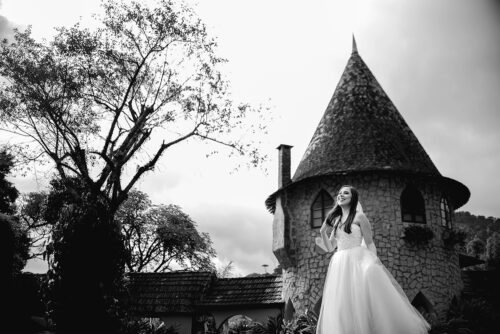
360	296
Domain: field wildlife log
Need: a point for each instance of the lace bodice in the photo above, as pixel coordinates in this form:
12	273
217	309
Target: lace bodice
348	240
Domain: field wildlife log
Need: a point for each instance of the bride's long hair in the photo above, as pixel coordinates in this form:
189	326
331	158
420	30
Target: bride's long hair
337	211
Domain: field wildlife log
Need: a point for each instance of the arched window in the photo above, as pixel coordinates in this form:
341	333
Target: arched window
233	324
412	205
445	213
320	207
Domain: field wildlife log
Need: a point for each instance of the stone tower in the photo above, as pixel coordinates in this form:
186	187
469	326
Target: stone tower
362	140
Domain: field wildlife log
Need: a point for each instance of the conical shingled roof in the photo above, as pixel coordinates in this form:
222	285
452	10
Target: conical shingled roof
362	130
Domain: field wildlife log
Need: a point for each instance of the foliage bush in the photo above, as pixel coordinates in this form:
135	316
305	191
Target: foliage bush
149	326
161	237
493	250
477	226
302	324
470	315
14	241
418	236
274	325
476	247
452	237
14	246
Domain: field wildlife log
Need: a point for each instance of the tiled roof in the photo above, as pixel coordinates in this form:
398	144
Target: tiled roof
262	290
465	260
362	131
154	293
182	291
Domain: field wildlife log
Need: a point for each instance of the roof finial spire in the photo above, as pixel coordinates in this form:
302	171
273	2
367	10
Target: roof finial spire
354	47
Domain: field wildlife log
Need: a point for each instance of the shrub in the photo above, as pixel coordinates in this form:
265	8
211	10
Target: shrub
301	324
493	250
419	236
149	326
274	325
476	247
471	315
452	237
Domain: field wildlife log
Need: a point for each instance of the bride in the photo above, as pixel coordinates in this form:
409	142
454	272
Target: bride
360	296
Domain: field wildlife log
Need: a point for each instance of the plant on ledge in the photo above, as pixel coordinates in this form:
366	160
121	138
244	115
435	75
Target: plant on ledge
303	323
418	235
452	237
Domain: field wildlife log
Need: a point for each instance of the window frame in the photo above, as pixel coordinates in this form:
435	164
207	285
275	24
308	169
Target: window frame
323	207
411	208
445	213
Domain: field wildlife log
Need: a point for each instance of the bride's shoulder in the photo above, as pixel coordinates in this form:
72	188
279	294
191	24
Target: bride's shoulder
359	215
360	218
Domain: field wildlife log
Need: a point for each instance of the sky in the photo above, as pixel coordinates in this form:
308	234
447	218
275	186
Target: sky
438	61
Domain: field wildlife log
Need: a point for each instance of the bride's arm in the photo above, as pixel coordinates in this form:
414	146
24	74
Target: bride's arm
329	244
366	230
333	241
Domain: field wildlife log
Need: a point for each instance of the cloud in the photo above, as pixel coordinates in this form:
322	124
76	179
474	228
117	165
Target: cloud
240	234
5	28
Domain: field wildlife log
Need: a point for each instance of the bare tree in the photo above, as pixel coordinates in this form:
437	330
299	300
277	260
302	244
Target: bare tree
91	100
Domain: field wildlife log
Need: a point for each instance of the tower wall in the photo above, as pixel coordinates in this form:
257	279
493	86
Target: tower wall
433	270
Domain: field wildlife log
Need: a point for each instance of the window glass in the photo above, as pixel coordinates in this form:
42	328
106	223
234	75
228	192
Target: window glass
412	206
320	207
445	213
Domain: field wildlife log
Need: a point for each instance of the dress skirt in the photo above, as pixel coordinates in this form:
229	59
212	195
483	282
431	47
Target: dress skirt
360	296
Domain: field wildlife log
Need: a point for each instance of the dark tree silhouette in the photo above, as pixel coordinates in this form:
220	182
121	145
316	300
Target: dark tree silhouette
14	240
14	247
85	260
8	193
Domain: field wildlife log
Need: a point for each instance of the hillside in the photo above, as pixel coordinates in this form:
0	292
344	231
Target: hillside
481	226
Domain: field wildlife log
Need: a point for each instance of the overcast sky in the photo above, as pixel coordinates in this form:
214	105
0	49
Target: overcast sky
438	60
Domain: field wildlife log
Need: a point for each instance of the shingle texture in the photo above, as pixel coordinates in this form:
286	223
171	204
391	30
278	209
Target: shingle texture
245	291
182	292
362	130
155	293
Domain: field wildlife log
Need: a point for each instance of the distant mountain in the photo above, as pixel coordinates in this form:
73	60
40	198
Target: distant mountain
479	226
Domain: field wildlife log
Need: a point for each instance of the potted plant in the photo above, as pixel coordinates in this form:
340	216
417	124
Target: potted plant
418	236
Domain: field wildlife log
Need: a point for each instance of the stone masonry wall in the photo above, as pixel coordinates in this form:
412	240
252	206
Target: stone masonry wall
434	271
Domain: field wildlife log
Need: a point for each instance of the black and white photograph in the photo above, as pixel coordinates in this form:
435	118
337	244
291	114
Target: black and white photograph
249	167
